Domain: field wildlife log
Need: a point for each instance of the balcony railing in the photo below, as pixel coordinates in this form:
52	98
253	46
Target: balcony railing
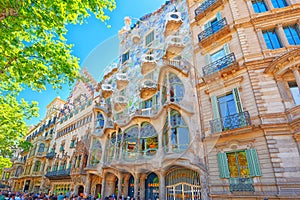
219	64
212	29
230	122
204	6
241	184
179	64
59	173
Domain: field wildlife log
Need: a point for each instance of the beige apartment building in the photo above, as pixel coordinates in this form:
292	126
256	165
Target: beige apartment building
203	103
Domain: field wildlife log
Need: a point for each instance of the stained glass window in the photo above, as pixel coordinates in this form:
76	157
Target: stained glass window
238	165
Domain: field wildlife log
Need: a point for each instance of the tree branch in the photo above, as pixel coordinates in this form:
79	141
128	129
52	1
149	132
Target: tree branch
8	13
7	65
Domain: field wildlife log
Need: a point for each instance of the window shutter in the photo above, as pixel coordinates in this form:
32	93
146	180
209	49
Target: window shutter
207	25
217	127
253	162
226	49
219	16
223	165
215	107
237	100
208	59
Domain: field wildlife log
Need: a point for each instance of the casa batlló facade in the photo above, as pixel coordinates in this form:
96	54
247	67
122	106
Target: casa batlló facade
203	103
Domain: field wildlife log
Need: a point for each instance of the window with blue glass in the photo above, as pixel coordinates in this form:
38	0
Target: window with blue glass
259	6
292	34
295	92
279	3
271	39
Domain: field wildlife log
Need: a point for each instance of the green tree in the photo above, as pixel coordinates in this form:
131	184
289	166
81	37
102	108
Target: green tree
34	52
4	163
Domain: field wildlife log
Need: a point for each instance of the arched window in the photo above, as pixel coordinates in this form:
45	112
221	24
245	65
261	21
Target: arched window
111	146
96	152
152	186
19	171
176	88
37	166
41	147
179	133
183	184
130	146
100	121
148	140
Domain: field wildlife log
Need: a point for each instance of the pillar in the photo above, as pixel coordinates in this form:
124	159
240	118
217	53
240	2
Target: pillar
169	132
250	7
297	76
120	180
282	36
103	187
136	185
87	187
126	184
142	186
162	187
261	39
269	4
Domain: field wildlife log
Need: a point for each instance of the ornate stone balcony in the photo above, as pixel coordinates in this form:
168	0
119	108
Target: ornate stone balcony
230	122
148	88
206	7
122	80
107	90
174	46
120	102
135	36
219	64
173	22
218	31
148	63
241	184
60	174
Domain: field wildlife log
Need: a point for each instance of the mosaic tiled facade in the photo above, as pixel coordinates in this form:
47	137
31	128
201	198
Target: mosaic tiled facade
203	103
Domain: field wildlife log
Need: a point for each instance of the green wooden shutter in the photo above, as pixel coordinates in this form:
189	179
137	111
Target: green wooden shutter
217	124
219	16
253	162
223	165
207	59
237	100
215	107
226	49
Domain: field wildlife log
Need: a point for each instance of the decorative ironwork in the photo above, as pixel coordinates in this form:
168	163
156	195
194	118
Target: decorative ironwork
241	184
230	122
219	64
212	29
204	6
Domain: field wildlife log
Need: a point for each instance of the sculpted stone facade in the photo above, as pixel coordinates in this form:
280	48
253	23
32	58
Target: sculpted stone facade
203	103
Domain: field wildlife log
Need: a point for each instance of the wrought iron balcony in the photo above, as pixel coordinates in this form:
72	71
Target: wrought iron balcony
219	64
241	184
212	29
206	6
230	122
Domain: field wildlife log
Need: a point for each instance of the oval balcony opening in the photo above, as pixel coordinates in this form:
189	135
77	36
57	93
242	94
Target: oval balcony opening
148	63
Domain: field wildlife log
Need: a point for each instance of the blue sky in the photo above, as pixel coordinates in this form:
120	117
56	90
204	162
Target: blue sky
95	45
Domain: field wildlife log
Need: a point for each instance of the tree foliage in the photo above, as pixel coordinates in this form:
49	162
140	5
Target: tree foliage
34	52
4	163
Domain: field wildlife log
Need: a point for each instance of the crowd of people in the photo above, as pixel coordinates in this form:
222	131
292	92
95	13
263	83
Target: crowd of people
9	195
